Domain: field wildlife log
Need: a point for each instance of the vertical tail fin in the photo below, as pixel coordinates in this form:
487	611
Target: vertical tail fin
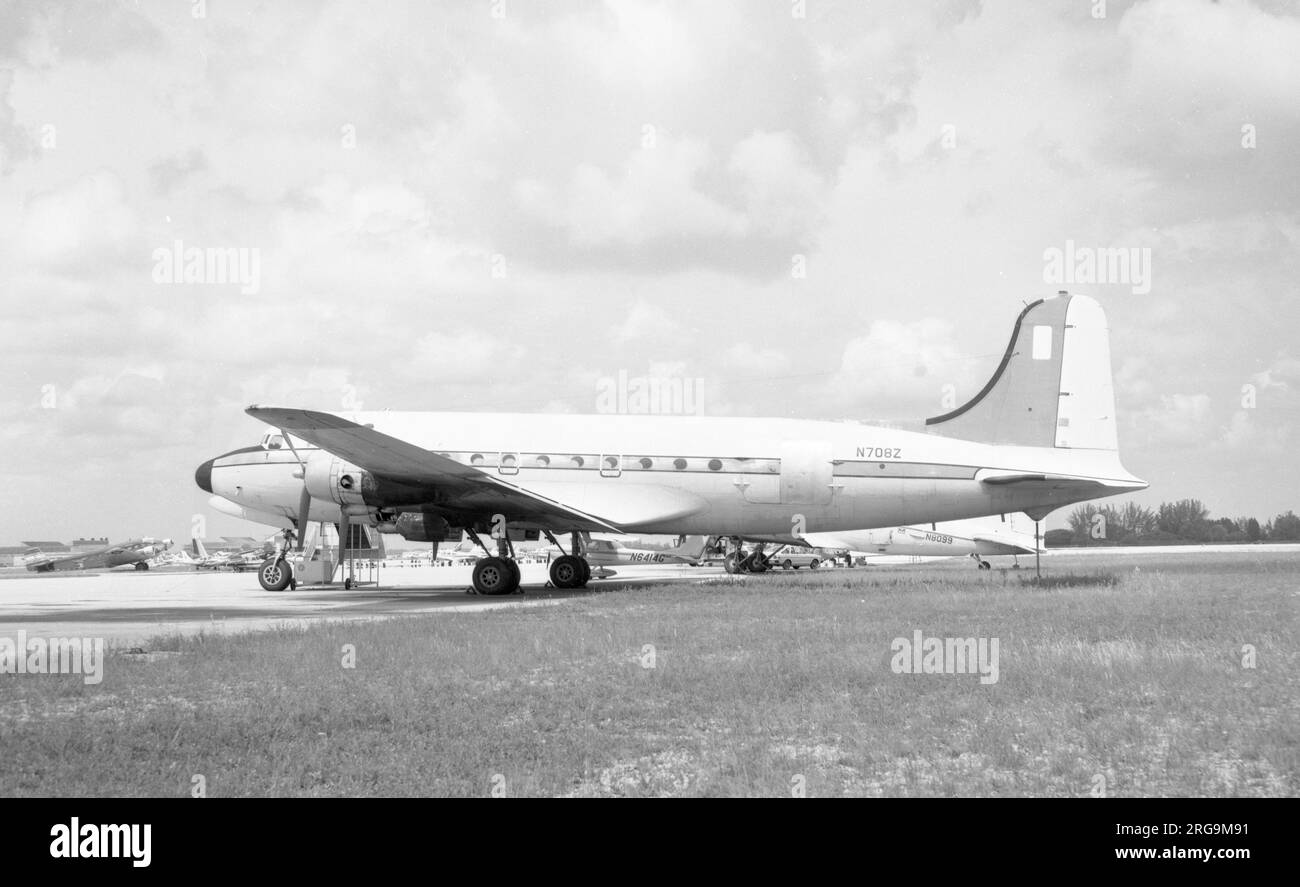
1053	387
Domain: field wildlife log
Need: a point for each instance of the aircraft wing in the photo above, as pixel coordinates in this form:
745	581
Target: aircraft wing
50	564
390	456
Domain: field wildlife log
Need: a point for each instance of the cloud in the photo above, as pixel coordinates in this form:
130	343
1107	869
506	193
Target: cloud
647	322
1247	431
781	193
1180	420
80	227
172	170
904	365
459	354
1283	376
656	198
748	359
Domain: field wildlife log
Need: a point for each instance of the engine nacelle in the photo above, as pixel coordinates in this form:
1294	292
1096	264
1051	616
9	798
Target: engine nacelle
330	478
422	527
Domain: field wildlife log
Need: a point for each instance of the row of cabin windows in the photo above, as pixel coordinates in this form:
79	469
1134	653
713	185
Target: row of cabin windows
512	462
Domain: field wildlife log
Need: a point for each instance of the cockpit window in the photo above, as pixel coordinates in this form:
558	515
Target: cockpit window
273	441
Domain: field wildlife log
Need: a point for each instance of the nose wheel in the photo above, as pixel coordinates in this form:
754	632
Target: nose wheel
274	574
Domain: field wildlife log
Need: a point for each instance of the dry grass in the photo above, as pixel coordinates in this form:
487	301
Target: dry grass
759	685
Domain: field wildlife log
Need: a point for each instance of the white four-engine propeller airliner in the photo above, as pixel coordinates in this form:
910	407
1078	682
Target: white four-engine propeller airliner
1041	434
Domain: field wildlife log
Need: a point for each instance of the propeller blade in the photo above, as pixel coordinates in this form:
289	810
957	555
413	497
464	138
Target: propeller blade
304	514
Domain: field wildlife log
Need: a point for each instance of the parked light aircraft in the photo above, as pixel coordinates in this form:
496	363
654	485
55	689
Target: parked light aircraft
1040	434
137	552
602	554
238	560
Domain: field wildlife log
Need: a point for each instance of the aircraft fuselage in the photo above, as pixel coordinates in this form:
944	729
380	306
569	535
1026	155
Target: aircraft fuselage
657	474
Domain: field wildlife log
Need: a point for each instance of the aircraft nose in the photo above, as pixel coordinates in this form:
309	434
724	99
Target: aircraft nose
203	476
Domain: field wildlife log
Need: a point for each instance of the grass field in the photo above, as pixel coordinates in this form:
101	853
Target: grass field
1112	677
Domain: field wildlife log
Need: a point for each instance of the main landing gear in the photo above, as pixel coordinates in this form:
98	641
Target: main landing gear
569	570
983	564
737	560
495	574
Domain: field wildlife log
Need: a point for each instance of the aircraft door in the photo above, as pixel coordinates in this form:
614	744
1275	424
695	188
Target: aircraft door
807	472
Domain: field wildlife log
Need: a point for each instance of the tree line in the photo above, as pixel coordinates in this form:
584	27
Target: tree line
1186	521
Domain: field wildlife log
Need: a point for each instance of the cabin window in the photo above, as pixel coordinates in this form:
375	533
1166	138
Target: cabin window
679	464
715	464
476	459
577	461
647	463
543	461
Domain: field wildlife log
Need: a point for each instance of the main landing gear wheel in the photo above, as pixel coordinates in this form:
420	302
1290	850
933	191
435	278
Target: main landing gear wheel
495	575
569	571
731	563
516	573
814	564
274	574
141	565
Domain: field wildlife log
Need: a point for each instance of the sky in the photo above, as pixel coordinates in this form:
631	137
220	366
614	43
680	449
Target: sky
821	210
